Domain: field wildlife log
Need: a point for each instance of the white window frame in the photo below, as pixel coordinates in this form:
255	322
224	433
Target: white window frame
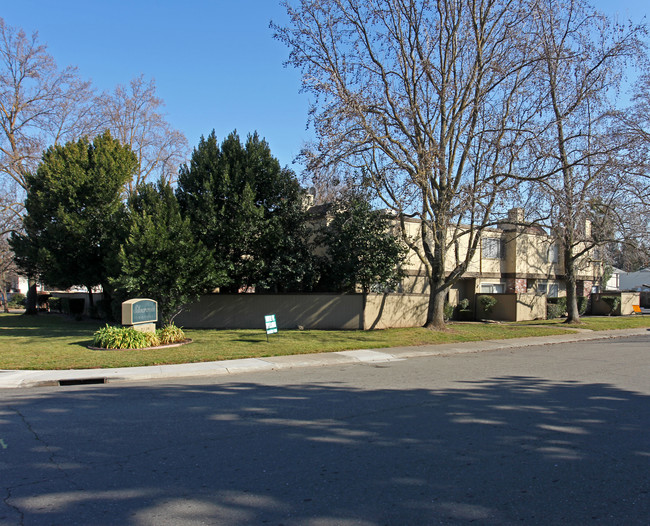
551	289
493	288
553	255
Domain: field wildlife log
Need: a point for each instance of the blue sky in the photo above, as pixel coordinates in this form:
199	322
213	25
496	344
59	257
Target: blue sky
215	62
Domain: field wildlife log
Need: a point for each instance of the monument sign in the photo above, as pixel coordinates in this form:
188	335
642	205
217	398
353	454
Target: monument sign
140	313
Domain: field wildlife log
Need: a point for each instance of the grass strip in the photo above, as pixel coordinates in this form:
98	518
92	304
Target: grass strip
50	341
597	323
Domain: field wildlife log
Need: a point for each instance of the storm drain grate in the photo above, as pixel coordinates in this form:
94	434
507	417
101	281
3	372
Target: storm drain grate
82	381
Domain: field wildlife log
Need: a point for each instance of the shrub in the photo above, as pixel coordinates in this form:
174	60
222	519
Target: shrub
110	337
42	301
487	303
583	303
555	307
464	304
55	304
613	302
553	310
17	300
170	334
448	311
152	339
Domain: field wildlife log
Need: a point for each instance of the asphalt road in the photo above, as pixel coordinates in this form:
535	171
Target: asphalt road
556	434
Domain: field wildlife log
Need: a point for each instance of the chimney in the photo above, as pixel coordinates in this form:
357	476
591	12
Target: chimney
309	198
516	215
515	219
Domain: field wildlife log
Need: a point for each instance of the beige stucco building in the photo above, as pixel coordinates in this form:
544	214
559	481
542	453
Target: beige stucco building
510	259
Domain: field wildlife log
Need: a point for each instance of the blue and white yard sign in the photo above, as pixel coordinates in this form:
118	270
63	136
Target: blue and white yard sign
271	325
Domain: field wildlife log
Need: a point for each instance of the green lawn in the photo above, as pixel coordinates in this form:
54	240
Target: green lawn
50	341
599	323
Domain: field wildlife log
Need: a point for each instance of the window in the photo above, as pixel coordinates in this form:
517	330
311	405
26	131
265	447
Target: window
492	247
550	289
492	288
387	288
553	254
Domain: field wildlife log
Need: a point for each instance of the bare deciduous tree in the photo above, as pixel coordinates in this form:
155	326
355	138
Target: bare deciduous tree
425	103
40	104
9	223
631	127
133	116
583	184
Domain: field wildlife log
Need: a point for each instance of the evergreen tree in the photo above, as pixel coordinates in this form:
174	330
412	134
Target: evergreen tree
160	259
74	218
247	208
360	248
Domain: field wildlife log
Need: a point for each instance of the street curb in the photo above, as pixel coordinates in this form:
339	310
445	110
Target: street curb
20	378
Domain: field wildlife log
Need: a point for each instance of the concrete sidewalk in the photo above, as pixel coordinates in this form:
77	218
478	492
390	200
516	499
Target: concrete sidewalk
14	379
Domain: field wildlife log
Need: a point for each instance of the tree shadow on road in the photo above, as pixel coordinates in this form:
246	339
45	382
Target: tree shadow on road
511	449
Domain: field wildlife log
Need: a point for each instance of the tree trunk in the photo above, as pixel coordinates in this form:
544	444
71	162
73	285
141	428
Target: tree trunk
573	314
107	298
3	294
30	301
91	302
436	308
435	252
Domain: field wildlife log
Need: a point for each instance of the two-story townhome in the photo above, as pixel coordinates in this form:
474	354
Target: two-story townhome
510	259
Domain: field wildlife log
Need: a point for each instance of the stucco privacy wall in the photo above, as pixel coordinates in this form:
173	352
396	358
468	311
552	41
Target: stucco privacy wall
514	307
628	299
395	310
530	307
311	311
336	311
247	311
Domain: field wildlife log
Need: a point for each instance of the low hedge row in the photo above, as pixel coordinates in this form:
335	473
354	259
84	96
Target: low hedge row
556	307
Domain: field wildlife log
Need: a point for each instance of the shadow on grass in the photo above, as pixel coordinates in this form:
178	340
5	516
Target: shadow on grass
250	339
47	325
82	343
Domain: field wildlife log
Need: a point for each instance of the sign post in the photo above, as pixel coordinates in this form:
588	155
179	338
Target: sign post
271	325
141	314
